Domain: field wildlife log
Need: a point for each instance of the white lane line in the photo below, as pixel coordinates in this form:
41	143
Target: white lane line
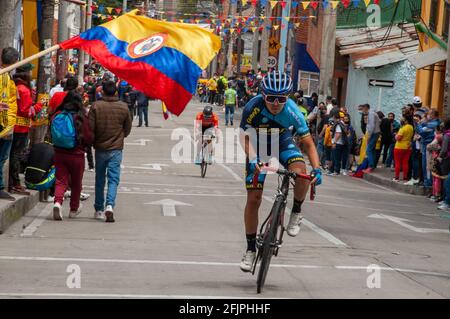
317	229
219	264
174	185
323	233
120	296
229	170
179	194
386	189
37	221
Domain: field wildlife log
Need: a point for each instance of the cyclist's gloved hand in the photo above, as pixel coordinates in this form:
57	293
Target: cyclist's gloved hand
317	174
254	165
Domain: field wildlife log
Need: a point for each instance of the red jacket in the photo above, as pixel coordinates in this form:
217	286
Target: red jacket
56	101
24	108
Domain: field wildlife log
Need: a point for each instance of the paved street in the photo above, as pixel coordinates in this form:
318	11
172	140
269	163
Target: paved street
351	225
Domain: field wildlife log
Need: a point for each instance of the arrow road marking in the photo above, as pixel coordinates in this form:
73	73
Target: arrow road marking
139	142
402	222
168	206
153	167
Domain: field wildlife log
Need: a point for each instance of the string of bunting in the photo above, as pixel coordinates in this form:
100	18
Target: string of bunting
246	23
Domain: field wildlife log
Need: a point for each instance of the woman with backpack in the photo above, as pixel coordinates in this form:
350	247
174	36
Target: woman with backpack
70	136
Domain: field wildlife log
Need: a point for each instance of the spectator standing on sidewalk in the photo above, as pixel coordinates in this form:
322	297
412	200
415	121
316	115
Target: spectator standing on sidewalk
70	151
142	105
444	160
434	148
25	111
426	129
402	149
339	145
395	128
373	133
231	101
110	123
8	112
386	128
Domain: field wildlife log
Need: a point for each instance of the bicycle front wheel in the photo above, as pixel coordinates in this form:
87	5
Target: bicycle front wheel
203	167
268	245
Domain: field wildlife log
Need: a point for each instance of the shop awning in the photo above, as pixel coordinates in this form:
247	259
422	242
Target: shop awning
428	57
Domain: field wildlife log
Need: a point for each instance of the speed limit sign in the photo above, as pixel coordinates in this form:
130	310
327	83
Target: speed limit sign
272	62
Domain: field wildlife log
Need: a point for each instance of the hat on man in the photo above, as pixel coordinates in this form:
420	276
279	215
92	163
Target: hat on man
417	100
25	68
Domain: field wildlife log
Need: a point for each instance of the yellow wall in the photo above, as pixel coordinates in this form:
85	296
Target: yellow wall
430	84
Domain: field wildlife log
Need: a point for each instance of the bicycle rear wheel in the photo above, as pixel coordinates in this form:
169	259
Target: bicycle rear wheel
203	167
268	247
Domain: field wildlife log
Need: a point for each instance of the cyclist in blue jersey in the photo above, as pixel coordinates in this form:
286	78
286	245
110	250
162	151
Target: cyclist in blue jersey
267	113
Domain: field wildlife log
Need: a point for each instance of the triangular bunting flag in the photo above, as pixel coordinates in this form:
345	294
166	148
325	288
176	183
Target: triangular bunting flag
273	4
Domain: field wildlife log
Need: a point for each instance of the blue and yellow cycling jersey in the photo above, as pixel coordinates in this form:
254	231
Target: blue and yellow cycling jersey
288	122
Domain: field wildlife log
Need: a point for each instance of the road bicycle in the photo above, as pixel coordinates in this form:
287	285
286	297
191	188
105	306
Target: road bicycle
205	153
270	237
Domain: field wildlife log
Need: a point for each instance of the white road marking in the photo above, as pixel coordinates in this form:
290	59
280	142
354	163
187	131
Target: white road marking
229	170
139	142
218	264
168	206
37	221
317	229
402	222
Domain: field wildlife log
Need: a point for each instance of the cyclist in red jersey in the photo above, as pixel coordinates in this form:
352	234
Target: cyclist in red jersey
209	122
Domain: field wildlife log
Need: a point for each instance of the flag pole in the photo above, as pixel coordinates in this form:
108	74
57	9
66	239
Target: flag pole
29	59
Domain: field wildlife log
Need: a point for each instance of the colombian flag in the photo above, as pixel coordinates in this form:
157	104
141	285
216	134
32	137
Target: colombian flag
162	59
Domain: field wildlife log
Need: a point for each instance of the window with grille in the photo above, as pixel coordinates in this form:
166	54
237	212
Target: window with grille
308	82
434	10
445	27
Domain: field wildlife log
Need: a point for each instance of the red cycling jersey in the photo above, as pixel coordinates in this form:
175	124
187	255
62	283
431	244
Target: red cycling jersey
213	121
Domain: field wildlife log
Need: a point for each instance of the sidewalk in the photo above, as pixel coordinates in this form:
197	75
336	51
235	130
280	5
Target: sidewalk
383	176
11	212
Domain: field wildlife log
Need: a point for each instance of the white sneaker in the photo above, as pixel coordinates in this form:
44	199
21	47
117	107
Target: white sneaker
67	194
84	196
443	206
247	261
294	224
75	213
57	212
99	215
50	199
411	182
396	180
109	214
344	172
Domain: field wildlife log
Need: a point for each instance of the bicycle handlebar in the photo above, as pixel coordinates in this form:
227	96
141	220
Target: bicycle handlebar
285	172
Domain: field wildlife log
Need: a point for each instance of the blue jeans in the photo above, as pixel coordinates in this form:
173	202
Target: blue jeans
370	151
426	173
321	151
107	164
447	190
339	158
143	115
229	112
5	148
390	156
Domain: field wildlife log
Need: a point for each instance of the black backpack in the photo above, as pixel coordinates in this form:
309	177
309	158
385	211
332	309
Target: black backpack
40	160
345	137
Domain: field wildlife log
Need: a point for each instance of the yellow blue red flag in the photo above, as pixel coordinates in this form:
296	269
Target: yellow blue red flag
162	59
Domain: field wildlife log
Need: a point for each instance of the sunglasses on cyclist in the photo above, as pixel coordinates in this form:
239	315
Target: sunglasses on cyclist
272	98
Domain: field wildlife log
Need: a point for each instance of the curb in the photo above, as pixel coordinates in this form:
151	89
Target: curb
413	190
10	212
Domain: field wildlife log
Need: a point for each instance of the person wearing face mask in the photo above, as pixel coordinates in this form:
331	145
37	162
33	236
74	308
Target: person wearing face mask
352	143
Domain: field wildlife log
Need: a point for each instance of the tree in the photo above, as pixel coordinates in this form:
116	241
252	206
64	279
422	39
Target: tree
7	14
45	41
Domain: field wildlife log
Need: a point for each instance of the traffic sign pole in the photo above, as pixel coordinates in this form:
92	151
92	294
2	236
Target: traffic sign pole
284	35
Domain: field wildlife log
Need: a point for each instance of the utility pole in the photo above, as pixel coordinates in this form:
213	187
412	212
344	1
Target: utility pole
231	43
81	54
327	53
124	6
45	42
265	39
256	46
239	39
63	34
7	14
286	13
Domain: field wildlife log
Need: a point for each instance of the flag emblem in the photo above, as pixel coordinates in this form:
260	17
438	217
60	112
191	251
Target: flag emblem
147	46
